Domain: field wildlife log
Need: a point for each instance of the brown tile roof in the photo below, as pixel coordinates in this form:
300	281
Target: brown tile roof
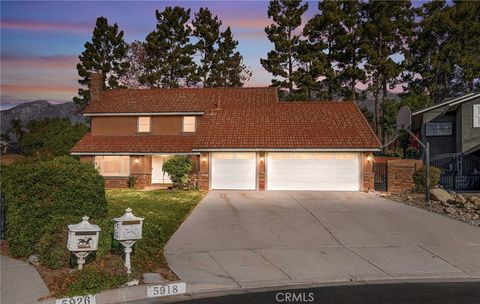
286	125
176	100
134	144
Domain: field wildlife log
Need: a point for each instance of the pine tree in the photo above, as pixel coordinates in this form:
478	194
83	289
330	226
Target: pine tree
281	62
349	52
387	27
228	69
106	53
444	56
207	31
323	31
169	51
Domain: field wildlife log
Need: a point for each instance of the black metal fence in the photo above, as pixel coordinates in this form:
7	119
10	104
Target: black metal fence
380	177
459	172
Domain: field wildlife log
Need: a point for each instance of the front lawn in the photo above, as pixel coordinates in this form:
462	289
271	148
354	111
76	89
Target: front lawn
163	211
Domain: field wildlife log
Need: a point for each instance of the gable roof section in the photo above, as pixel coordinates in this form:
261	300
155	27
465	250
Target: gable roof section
286	126
128	145
118	101
449	103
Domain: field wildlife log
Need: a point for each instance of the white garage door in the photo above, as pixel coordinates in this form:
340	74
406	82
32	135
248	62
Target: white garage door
313	171
233	171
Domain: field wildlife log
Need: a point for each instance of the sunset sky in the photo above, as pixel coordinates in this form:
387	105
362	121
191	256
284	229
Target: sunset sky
41	40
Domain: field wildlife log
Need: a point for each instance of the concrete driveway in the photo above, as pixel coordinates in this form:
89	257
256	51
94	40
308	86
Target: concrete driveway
256	239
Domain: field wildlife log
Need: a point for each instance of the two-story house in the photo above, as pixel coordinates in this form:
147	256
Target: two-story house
453	130
238	138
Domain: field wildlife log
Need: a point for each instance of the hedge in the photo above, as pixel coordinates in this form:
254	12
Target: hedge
42	198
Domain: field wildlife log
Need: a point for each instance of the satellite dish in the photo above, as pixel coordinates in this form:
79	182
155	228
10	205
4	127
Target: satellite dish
404	118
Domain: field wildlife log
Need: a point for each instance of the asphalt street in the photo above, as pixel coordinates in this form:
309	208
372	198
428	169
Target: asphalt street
401	293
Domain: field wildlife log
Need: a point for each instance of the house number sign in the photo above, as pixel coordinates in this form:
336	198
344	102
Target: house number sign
167	289
88	299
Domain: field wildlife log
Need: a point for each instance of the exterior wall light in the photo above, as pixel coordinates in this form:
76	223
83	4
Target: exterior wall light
82	239
369	158
137	160
128	230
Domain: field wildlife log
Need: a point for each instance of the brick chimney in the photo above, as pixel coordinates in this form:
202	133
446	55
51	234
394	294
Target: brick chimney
96	86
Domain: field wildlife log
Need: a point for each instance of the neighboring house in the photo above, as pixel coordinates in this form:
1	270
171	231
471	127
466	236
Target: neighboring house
453	130
237	138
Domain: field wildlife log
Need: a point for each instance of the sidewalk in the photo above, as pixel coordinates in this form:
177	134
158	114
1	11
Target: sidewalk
20	282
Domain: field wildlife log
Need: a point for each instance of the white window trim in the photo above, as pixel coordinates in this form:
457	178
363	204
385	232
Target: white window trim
194	125
149	124
112	176
476	115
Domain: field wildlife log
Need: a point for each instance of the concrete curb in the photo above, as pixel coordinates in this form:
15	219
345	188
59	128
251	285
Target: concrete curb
139	293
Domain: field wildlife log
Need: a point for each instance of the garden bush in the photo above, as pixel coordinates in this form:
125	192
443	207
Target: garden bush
42	198
419	178
178	169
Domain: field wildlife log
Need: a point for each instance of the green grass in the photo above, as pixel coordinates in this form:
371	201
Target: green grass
163	212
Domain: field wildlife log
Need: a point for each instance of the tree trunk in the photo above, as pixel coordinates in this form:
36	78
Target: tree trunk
377	107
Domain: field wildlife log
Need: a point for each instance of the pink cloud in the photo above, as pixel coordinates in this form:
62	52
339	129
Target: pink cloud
13	88
249	23
58	61
70	27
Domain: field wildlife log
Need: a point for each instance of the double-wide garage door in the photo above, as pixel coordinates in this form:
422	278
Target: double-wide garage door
287	171
313	171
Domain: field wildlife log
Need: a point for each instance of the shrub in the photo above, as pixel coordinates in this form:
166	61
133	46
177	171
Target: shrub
42	198
178	168
51	137
419	178
131	181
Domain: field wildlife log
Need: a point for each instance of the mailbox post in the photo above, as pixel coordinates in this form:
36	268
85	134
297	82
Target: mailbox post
127	230
82	239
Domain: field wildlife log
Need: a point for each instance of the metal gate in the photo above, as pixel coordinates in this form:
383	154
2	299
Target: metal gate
380	177
459	172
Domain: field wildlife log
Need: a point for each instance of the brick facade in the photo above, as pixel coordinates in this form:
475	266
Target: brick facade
367	173
261	170
204	182
400	174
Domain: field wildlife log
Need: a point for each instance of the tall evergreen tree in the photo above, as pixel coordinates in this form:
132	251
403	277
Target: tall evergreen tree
323	31
281	62
387	26
105	53
169	51
207	31
349	51
444	54
228	69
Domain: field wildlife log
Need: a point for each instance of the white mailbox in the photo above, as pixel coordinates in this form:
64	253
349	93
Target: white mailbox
82	239
128	229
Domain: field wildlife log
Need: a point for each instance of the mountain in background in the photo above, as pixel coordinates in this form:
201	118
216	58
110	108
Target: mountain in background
38	110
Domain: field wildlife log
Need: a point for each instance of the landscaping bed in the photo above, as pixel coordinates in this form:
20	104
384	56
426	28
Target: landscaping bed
163	211
463	207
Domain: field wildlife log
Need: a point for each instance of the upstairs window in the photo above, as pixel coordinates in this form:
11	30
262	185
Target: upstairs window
112	165
476	115
189	124
439	129
143	124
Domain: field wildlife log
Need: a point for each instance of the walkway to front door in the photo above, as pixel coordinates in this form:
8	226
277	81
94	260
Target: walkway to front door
266	238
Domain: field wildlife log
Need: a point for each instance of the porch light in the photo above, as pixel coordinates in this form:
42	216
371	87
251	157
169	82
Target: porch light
137	160
204	158
369	158
127	230
82	239
261	158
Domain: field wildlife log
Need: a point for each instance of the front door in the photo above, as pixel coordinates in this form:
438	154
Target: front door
158	176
